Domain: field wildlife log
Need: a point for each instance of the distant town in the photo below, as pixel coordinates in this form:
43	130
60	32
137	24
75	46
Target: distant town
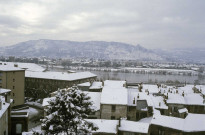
121	106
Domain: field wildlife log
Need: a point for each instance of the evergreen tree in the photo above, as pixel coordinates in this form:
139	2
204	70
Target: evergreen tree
66	114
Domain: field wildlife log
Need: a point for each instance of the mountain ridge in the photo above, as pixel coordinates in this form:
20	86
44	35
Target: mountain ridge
73	49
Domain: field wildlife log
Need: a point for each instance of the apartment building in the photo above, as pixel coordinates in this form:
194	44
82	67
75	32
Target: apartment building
41	84
13	78
5	123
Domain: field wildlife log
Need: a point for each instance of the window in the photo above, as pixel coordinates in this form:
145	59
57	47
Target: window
161	132
113	108
13	94
13	87
0	80
18	128
112	117
13	80
0	73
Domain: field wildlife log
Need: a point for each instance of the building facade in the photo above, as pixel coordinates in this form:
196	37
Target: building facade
41	84
13	78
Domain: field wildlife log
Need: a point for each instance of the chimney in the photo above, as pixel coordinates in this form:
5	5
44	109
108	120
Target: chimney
15	65
0	104
102	83
8	97
159	103
183	94
134	101
120	122
138	96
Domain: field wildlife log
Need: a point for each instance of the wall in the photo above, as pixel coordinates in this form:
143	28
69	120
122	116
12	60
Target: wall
106	111
4	123
15	81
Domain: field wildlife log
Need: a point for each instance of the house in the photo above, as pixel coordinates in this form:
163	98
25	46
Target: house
13	78
114	101
139	105
193	124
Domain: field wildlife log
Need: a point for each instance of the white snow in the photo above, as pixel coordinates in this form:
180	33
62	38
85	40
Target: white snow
95	98
114	93
193	122
4	106
150	88
9	68
183	110
158	102
46	100
132	126
105	126
4	90
84	84
138	96
59	75
188	99
96	85
26	66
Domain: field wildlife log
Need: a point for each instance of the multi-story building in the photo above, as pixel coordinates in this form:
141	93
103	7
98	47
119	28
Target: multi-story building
5	123
13	78
41	84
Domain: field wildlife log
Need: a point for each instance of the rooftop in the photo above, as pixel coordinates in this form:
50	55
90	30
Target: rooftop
10	68
59	75
192	123
105	126
26	66
114	93
133	126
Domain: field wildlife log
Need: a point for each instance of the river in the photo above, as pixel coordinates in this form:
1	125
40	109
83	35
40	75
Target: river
143	77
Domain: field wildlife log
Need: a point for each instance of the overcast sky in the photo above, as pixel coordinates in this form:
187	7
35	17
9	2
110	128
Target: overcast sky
150	23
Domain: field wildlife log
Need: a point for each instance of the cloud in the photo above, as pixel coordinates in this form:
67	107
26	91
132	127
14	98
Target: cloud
153	24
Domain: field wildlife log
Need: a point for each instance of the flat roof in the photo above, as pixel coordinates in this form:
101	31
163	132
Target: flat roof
60	75
10	68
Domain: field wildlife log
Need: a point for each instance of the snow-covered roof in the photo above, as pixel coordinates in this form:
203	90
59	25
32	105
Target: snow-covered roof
96	85
4	91
60	75
4	106
158	102
46	100
187	99
95	98
87	84
192	123
10	68
132	126
26	66
183	110
105	126
150	88
142	96
168	121
114	83
113	92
